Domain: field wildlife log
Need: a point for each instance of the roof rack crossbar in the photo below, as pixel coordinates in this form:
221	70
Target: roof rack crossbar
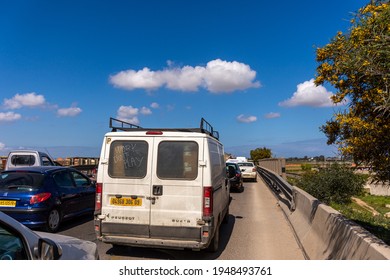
123	125
205	127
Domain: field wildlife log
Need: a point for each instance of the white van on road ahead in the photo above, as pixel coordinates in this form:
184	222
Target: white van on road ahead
165	188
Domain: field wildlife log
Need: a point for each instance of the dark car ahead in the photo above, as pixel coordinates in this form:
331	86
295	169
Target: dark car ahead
236	181
42	197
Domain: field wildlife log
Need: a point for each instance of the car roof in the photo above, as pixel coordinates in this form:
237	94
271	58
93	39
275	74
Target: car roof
27	151
38	169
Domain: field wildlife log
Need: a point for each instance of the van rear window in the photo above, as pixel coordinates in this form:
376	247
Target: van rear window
177	160
128	159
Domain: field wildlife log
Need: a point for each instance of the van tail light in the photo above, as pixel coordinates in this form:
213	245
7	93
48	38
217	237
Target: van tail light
98	197
38	198
207	202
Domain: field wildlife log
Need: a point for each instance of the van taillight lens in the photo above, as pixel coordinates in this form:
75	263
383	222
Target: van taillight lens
207	201
38	198
98	197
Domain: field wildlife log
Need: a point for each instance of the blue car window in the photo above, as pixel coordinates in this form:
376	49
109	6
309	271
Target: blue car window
21	180
63	179
80	180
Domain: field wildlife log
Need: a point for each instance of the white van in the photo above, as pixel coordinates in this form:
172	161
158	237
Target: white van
24	158
162	188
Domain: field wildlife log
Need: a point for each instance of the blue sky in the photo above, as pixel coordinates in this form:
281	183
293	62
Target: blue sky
246	66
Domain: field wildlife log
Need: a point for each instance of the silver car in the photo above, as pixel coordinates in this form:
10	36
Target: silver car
17	242
248	170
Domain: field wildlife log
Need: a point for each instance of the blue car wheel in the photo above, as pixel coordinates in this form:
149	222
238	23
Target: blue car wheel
53	220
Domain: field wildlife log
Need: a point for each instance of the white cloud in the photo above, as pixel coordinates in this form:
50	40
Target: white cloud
24	100
224	76
128	114
308	94
154	105
69	112
183	79
272	115
145	111
217	77
2	146
246	119
143	79
9	116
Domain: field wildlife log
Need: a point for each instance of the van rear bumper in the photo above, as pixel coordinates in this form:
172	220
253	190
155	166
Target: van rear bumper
195	238
154	242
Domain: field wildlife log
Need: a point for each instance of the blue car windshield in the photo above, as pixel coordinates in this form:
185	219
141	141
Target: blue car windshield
21	180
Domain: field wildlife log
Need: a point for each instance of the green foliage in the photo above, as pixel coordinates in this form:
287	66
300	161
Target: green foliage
379	203
334	184
377	225
260	153
357	65
306	166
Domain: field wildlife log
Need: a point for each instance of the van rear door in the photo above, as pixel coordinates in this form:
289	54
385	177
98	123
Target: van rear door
126	190
176	188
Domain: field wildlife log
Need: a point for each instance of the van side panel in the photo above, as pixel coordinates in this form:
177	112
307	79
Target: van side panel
218	179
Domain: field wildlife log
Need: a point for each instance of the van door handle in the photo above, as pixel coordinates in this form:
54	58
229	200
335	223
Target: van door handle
157	190
152	199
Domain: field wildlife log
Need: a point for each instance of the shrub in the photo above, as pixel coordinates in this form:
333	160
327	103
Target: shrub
306	167
334	184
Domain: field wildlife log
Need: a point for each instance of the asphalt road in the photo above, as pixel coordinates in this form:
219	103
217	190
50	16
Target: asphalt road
257	230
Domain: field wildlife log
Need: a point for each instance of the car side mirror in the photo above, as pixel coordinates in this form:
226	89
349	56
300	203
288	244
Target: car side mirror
48	250
231	171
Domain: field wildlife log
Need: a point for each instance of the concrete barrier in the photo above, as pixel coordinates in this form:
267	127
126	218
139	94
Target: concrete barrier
378	188
325	234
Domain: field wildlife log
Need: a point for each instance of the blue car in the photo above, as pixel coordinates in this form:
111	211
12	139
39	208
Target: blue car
43	197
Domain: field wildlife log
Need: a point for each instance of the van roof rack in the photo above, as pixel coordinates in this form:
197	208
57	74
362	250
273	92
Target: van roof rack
205	127
123	125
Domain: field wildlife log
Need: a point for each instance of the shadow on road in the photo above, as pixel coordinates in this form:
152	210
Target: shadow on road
71	223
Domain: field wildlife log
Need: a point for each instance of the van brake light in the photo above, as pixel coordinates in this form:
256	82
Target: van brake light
154	132
207	202
98	198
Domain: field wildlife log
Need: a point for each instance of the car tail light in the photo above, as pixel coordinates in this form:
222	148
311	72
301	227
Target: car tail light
98	197
38	198
254	169
207	202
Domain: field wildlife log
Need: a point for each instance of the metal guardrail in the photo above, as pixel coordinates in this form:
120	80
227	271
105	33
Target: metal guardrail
279	185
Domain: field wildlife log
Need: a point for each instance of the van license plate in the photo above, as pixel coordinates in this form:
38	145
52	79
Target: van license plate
7	203
126	201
